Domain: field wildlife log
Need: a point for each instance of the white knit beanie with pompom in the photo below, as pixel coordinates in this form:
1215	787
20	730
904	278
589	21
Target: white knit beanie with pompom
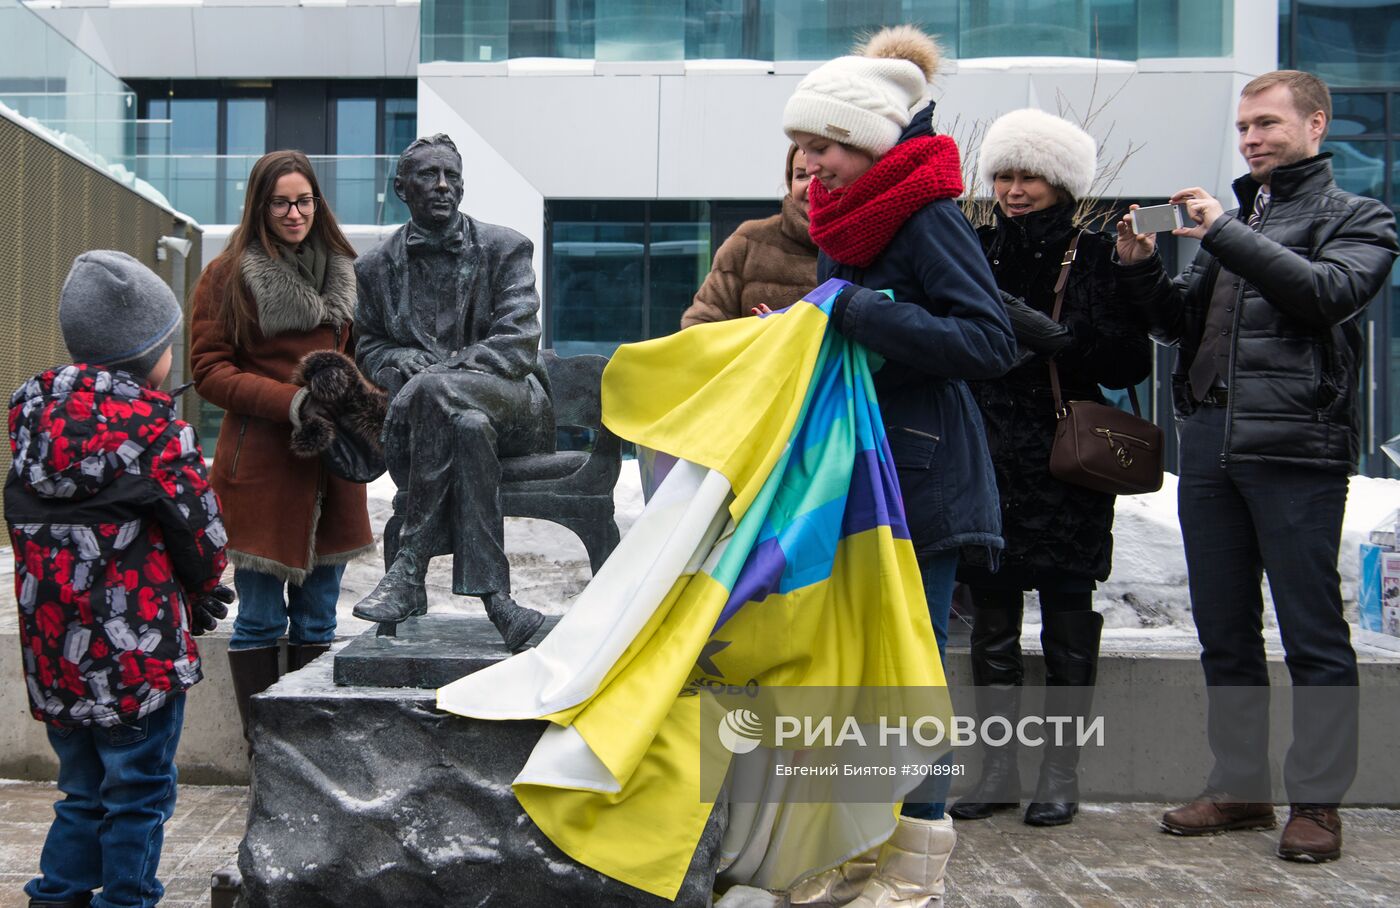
1043	144
865	100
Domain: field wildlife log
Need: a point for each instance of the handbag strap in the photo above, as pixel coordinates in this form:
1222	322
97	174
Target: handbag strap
1060	284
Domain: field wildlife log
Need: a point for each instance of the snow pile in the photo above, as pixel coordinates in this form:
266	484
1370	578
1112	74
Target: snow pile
1146	591
84	152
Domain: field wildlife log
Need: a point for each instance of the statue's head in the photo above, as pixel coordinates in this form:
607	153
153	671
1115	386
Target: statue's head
429	180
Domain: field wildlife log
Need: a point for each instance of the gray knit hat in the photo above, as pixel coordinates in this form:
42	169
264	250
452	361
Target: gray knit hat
116	312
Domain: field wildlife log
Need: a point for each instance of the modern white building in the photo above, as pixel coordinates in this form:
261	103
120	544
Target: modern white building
627	138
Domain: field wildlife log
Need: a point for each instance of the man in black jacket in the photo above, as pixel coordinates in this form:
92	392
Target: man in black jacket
1266	322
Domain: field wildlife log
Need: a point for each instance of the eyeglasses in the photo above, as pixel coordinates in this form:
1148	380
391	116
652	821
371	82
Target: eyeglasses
280	207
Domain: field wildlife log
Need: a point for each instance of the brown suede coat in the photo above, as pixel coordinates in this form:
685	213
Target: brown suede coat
772	261
285	514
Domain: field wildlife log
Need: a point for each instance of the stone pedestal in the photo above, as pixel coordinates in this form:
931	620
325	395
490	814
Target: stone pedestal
369	796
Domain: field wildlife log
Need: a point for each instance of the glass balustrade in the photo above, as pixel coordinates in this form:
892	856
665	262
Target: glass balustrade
211	188
45	77
486	31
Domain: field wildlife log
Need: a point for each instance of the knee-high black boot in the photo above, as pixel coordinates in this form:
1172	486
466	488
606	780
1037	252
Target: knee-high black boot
253	671
1071	641
997	672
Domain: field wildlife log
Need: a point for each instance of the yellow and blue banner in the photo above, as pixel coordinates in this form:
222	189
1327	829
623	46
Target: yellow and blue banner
774	554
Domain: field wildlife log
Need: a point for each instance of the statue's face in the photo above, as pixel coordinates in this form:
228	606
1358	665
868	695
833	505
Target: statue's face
431	185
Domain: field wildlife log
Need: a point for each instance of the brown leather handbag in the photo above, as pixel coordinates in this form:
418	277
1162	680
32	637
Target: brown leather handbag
1098	446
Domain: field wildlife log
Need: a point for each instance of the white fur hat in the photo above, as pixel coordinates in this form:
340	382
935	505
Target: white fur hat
866	100
1040	143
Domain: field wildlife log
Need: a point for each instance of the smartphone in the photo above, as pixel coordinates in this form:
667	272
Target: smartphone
1159	218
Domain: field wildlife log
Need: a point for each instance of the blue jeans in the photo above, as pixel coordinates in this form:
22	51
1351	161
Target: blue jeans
119	789
939	572
266	604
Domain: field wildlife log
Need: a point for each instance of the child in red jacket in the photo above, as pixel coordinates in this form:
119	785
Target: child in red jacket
118	549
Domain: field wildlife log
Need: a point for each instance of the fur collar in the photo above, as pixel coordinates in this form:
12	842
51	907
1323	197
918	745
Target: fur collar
287	303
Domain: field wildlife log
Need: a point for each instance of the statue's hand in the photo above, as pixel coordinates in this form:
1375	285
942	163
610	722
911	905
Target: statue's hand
415	362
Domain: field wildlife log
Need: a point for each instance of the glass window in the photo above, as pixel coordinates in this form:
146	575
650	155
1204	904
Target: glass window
622	272
1113	29
1285	34
728	29
194	126
551	28
1185	28
1354	114
247	126
351	187
641	30
996	28
474	32
1352	43
680	258
1359	167
193	181
597	276
822	29
245	138
400	124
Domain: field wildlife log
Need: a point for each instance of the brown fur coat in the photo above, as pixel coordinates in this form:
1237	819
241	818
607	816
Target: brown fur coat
772	262
285	514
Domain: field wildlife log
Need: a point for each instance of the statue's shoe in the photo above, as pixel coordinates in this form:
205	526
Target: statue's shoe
516	623
398	596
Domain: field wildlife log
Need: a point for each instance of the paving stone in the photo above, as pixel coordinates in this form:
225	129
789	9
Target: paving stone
998	864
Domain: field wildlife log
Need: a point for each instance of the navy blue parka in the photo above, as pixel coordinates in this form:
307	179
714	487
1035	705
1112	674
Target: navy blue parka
945	325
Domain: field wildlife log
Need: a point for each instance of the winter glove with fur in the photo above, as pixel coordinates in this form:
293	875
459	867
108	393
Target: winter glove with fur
338	399
207	610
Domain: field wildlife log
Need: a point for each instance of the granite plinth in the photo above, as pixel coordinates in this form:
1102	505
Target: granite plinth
428	652
370	796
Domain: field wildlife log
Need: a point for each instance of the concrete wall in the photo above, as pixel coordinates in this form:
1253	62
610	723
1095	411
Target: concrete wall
212	749
231	39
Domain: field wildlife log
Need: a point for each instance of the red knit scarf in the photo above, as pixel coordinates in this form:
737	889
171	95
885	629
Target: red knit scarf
855	223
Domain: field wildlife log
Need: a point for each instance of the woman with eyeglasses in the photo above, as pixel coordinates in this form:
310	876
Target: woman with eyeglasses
283	287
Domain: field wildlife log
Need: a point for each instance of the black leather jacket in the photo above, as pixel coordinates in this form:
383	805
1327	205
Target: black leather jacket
1319	257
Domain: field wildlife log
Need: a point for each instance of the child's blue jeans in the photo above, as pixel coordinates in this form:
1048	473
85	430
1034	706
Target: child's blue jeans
267	604
119	789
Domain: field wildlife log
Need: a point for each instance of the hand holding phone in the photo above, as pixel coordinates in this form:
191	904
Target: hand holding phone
1159	218
1133	247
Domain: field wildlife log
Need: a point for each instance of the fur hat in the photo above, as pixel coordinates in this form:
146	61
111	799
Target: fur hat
1043	144
116	312
331	379
865	100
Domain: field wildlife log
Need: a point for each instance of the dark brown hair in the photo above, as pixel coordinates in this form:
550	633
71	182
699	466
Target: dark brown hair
239	307
1310	94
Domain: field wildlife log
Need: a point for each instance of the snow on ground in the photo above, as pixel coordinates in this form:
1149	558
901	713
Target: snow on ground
1146	593
1145	603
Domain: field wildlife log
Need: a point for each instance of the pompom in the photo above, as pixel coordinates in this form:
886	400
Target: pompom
904	42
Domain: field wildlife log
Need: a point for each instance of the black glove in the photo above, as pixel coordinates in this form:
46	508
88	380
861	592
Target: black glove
1034	330
206	610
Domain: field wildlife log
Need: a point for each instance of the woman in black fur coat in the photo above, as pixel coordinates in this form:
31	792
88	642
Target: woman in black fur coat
1058	536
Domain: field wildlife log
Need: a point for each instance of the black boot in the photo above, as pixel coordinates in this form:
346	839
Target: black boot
997	671
300	655
516	623
253	671
1071	641
400	594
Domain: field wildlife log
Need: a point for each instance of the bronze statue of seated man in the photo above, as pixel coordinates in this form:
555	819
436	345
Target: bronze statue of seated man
448	324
